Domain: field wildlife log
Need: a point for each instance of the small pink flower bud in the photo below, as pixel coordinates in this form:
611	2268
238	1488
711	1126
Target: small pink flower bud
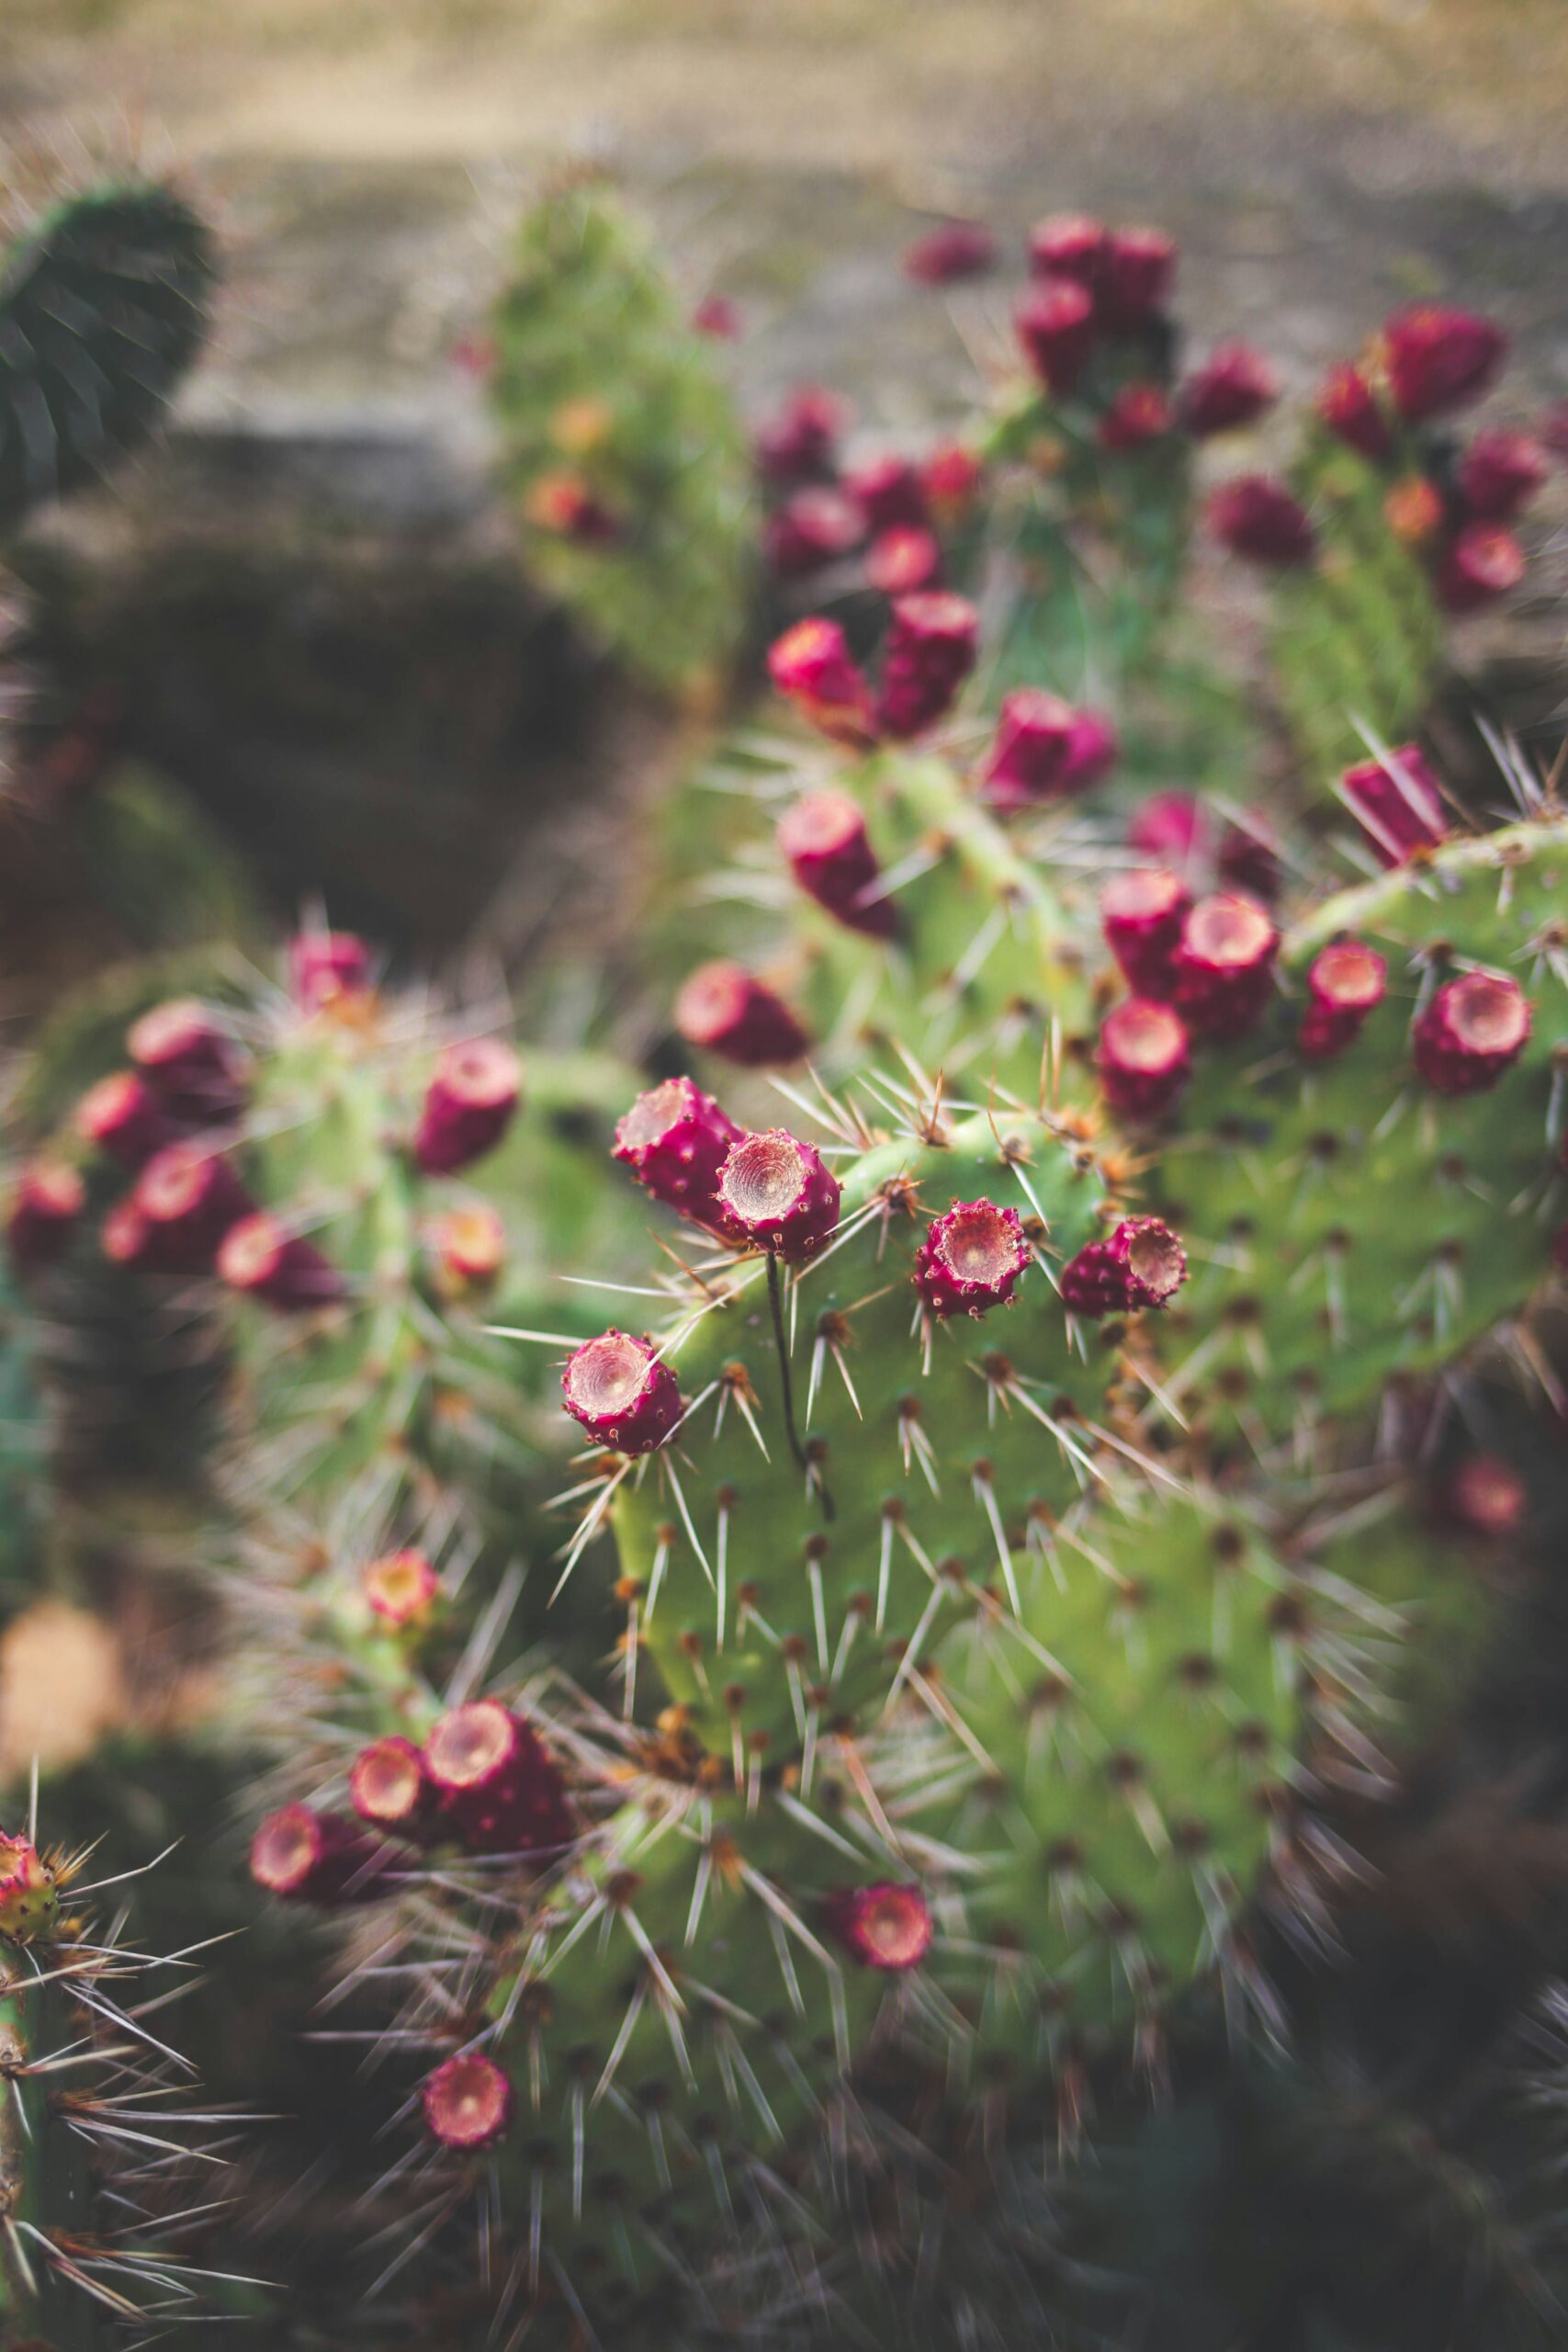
1470	1032
811	664
29	1895
402	1588
824	839
1055	322
1235	386
888	492
467	2102
799	443
303	1855
727	1011
46	1208
814	527
1482	562
718	316
1349	407
196	1071
957	249
469	1105
1171	826
1141	914
1257	518
627	1400
1144	1059
778	1193
970	1259
674	1139
260	1257
1439	359
390	1788
1347	981
1068	244
1139	413
950	476
1141	1264
931	646
324	966
122	1116
189	1198
903	561
1500	474
1397	804
499	1787
1224	965
470	1247
884	1925
1486	1497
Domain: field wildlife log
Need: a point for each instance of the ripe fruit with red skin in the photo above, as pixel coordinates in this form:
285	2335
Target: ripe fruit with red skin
886	1925
191	1066
1139	413
1068	244
1141	1264
1346	981
1480	563
468	1106
779	1195
971	1258
1235	386
1474	1027
811	664
727	1011
1141	914
1223	964
1055	324
188	1198
1398	803
1171	826
1439	359
498	1789
932	644
626	1401
467	2101
799	441
1144	1057
1137	277
125	1238
824	841
957	249
1349	407
123	1117
260	1257
46	1208
1500	474
887	491
1258	518
303	1855
325	966
904	560
1029	754
816	527
390	1788
674	1139
1093	750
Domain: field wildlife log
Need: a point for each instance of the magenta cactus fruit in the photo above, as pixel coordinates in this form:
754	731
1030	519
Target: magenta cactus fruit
1055	324
1439	359
814	527
1474	1027
727	1011
627	1398
1224	965
886	1925
957	249
467	2101
1486	1497
1137	276
1236	386
30	1895
193	1066
779	1195
324	966
122	1115
46	1207
402	1589
1030	751
390	1788
1346	981
970	1259
1398	804
1482	562
469	1105
305	1856
1348	405
1142	913
1138	414
1141	1264
824	841
1258	518
1170	826
498	1789
1144	1057
1500	474
950	474
1248	857
260	1257
930	651
189	1198
800	440
904	560
125	1236
810	663
1068	244
888	492
1093	752
674	1139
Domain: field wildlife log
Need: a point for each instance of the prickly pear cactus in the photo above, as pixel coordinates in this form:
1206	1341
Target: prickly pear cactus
23	1432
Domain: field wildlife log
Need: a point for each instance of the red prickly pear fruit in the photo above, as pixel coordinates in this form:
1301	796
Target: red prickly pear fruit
1055	324
884	1925
498	1789
189	1199
194	1069
1068	244
324	966
1141	1264
810	663
1346	982
1474	1027
1141	914
903	559
467	2101
950	476
1137	278
1139	413
957	249
1486	1497
1349	407
1398	804
931	646
46	1208
1258	518
402	1588
1224	965
470	1247
1247	857
468	1106
1480	563
824	839
1030	751
624	1397
727	1011
1234	387
1171	826
779	1195
814	527
303	1855
1093	750
122	1115
1144	1057
674	1139
970	1259
1500	474
718	316
260	1257
29	1895
390	1788
125	1238
888	492
1439	359
799	441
